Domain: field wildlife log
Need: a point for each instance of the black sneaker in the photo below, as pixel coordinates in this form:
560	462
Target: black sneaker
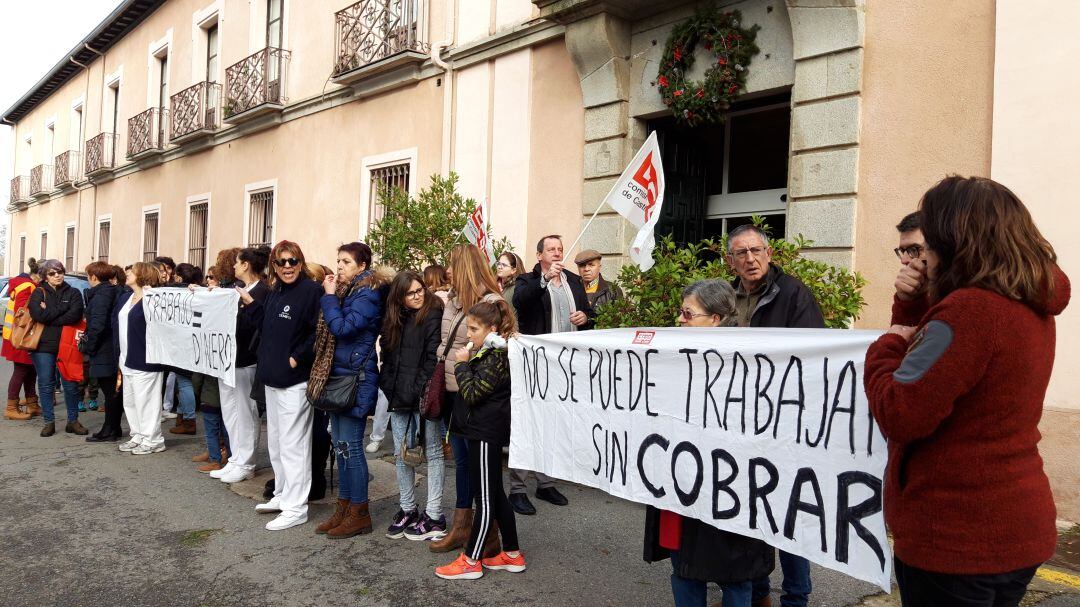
402	520
426	528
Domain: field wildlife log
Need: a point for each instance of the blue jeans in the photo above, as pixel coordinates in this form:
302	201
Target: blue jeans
406	474
214	429
460	447
348	436
187	396
796	583
45	366
692	593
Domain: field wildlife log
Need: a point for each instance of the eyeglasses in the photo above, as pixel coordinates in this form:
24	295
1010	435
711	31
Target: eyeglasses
744	253
913	252
415	293
688	314
54	273
291	262
502	265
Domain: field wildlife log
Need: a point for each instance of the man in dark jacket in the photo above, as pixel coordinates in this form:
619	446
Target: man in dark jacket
597	289
550	299
766	297
55	305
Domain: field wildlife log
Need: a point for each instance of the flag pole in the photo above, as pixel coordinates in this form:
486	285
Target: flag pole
583	230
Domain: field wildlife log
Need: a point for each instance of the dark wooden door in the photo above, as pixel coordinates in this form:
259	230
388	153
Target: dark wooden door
687	154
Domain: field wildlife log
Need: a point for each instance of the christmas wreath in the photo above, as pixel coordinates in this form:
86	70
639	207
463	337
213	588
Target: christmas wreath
693	102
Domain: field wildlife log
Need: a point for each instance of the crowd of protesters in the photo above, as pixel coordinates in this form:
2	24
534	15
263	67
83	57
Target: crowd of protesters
956	385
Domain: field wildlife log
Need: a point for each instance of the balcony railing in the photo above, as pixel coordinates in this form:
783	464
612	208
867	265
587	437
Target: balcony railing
20	188
146	132
68	169
255	82
372	30
41	180
196	111
100	154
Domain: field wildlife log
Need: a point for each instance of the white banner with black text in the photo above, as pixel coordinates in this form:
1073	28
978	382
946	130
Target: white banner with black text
193	330
761	432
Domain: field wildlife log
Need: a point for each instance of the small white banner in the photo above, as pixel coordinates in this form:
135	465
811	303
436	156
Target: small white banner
193	330
475	231
761	432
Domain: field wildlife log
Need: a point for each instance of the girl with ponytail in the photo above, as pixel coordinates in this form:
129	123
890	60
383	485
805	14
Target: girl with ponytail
483	381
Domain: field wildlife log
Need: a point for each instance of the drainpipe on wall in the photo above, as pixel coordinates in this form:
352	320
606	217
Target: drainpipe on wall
448	90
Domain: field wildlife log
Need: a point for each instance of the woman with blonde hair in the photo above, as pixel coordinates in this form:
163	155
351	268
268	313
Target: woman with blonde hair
471	281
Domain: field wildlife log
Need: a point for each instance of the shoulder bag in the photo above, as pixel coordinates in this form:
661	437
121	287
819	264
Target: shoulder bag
25	331
431	399
339	392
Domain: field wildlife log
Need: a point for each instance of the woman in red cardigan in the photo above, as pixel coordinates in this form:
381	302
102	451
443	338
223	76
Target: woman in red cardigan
957	386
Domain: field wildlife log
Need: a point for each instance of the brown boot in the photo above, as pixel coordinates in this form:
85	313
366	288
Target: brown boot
492	545
13	412
32	406
762	602
183	426
335	518
201	458
357	522
459	532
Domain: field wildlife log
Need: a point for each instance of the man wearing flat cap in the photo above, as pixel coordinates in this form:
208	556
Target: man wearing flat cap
597	290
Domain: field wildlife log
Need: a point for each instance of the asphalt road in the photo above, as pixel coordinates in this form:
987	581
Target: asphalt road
83	524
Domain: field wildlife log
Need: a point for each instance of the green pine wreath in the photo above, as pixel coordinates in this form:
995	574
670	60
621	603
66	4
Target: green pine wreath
704	102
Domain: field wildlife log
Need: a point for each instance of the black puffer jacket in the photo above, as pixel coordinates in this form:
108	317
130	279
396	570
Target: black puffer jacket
408	366
63	306
97	343
484	390
708	554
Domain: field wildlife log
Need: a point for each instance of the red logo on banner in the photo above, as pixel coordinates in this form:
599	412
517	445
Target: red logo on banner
646	178
477	219
644	338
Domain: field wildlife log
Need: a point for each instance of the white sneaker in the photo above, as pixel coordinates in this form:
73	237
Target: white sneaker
128	447
166	414
373	446
144	450
236	475
271	506
222	472
284	521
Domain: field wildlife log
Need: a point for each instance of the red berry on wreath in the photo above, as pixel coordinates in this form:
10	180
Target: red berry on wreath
678	93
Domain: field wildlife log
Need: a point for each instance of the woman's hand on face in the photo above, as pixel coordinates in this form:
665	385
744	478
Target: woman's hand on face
330	284
245	297
463	354
292	362
902	331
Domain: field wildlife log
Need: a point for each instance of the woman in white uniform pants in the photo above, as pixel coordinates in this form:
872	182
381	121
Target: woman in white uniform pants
238	409
141	381
287	321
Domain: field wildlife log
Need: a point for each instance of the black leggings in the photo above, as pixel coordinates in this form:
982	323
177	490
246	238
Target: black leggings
919	587
485	477
114	406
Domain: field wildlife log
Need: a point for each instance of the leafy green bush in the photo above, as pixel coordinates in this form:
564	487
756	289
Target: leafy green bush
653	298
418	232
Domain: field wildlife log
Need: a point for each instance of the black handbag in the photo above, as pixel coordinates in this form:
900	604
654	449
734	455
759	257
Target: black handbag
339	393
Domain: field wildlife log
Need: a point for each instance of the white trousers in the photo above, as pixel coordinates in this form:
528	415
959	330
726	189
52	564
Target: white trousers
170	392
241	416
288	438
142	405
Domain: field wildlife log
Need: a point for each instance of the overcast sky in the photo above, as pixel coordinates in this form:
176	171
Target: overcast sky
34	36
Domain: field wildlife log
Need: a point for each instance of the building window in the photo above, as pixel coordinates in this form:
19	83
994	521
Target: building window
197	224
150	236
103	241
44	245
273	23
212	53
69	248
383	178
22	254
261	218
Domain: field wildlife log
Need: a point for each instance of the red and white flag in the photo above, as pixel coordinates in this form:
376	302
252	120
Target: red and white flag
476	232
638	196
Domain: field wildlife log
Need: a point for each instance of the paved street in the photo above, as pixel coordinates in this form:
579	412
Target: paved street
84	524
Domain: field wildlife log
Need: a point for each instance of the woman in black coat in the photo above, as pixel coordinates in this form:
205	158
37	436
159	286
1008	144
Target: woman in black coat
412	330
55	305
101	358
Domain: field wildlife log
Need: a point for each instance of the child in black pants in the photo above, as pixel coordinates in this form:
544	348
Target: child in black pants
484	387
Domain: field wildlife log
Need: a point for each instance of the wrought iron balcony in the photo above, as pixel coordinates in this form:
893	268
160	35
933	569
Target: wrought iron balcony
100	154
256	84
196	111
146	133
371	31
20	189
41	180
68	169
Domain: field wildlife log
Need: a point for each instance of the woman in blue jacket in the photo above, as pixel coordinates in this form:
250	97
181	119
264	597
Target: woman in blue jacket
141	381
352	308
